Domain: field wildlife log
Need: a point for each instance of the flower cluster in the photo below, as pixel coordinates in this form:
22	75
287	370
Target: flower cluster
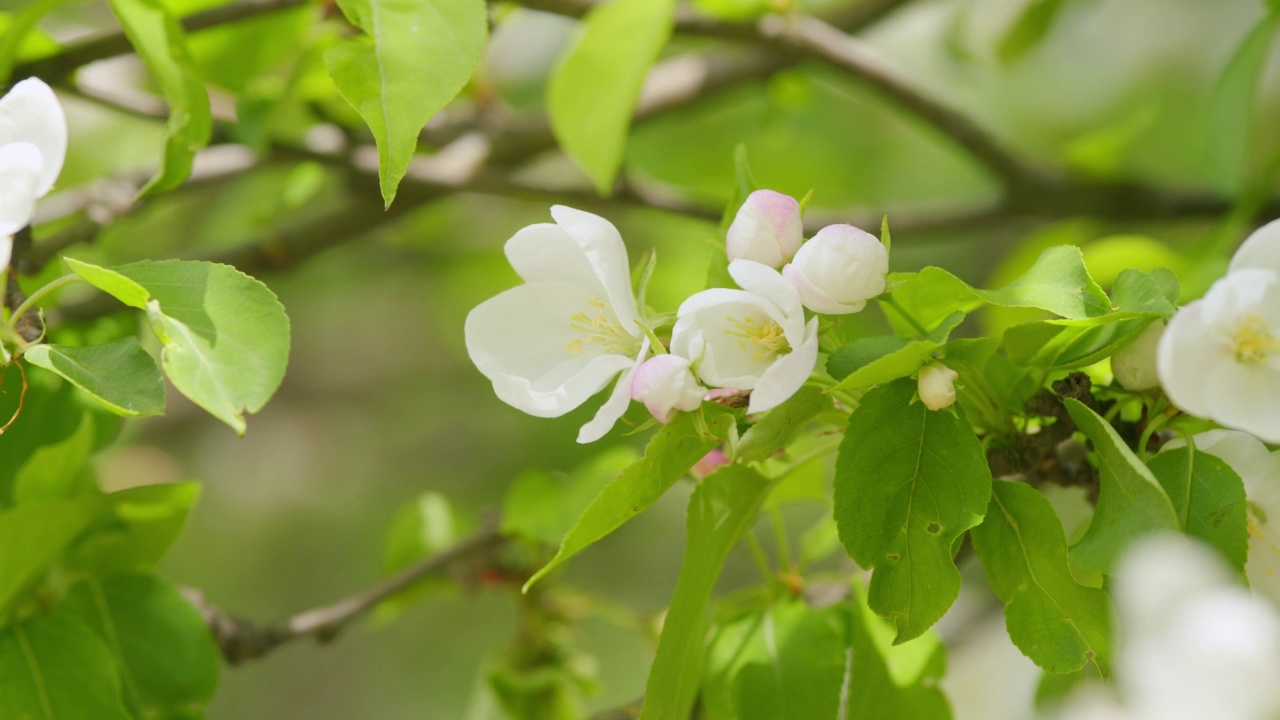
33	145
574	325
1219	358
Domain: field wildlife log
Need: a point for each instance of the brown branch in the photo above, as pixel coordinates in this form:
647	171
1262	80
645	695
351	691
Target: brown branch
240	640
59	65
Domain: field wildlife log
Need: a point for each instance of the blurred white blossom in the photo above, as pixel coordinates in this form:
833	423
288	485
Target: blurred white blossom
33	145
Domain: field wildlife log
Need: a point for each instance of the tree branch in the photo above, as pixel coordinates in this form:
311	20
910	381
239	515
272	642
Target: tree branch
240	640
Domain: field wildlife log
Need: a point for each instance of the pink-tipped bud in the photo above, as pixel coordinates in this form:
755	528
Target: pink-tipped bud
938	386
665	384
767	229
709	463
839	270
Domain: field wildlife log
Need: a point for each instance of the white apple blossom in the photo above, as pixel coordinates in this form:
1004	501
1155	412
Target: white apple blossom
1260	470
1220	356
570	329
666	384
937	386
1135	364
33	145
767	229
751	339
839	270
1194	643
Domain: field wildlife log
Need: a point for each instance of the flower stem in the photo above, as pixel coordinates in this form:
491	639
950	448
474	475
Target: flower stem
31	300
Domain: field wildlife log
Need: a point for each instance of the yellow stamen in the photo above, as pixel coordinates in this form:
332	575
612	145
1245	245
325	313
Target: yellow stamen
1254	343
767	336
601	329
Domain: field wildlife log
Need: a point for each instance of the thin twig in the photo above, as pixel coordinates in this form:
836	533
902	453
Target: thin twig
240	640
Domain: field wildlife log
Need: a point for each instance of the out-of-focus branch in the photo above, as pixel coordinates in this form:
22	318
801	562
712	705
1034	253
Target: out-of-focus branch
241	640
629	711
64	62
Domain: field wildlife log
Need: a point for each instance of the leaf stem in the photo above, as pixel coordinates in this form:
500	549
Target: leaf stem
31	300
911	320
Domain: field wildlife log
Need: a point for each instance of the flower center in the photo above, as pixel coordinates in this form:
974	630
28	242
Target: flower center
602	330
762	337
1254	343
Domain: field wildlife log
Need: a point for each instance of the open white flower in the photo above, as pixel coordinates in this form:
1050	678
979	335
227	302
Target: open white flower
1220	356
33	145
665	384
1260	470
839	270
751	339
558	339
767	229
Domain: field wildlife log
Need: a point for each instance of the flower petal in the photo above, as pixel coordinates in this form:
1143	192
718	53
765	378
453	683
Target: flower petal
1184	360
815	299
30	113
20	165
1259	250
787	374
1245	397
545	252
606	252
613	408
769	284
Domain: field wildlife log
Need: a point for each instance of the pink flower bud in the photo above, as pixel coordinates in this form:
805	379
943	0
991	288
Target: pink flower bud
709	463
839	270
665	384
767	229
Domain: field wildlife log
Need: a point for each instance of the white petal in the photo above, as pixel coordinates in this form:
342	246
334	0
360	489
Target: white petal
815	299
613	408
769	284
606	252
30	113
787	374
1238	293
6	251
545	252
1260	250
19	181
1184	359
1245	397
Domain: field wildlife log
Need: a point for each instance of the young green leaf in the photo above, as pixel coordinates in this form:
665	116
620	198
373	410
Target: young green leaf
874	691
58	471
671	452
120	375
720	511
1029	30
15	31
1208	497
225	335
592	94
786	661
158	37
543	506
412	60
51	412
56	668
144	522
899	360
1130	502
779	425
167	658
1072	343
1232	108
35	536
1054	620
909	481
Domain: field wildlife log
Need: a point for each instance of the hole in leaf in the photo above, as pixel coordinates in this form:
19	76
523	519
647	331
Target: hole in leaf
933	528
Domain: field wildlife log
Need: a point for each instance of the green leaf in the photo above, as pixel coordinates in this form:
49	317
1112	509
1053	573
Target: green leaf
671	452
909	481
14	29
143	523
421	528
1209	499
721	509
543	506
225	335
50	414
158	37
1232	110
1156	292
415	56
1054	620
56	668
1029	30
1072	343
778	426
58	471
167	658
1130	501
874	692
983	370
897	363
120	375
783	662
734	9
35	536
593	92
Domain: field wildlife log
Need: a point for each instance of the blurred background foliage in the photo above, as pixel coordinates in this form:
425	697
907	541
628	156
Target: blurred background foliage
382	417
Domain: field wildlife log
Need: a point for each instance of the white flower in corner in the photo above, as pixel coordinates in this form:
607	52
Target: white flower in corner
1135	364
767	229
839	270
751	339
33	145
1220	356
666	384
1260	470
937	386
563	335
